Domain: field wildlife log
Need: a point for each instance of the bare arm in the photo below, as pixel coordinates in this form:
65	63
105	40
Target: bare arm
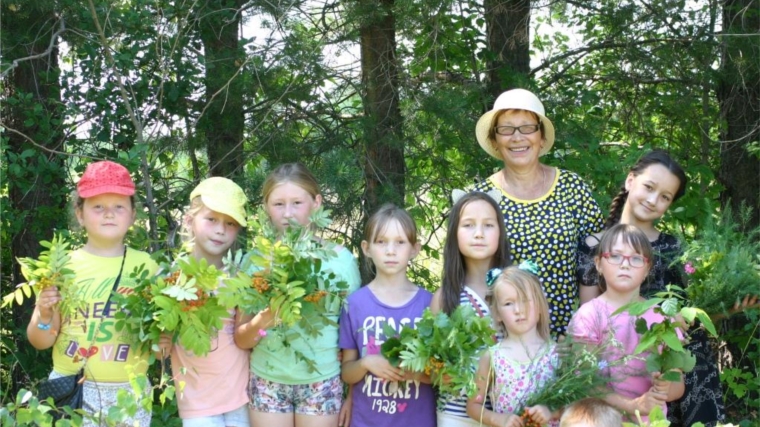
476	407
354	369
45	314
248	328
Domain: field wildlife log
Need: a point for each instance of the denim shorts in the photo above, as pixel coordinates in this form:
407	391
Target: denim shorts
319	398
234	418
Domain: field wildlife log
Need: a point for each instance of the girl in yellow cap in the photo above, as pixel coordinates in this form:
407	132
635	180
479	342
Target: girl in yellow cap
214	392
105	208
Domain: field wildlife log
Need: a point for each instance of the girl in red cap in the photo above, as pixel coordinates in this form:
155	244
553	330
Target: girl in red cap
105	208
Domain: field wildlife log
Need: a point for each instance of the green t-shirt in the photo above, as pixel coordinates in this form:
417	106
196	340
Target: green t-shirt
272	361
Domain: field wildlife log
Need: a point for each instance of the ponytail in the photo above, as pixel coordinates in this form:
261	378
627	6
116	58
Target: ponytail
616	208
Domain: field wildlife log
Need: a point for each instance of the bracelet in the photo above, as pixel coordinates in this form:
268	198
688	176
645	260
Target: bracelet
44	326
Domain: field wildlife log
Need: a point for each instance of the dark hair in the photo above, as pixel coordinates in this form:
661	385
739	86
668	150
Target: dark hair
632	236
380	219
654	157
453	261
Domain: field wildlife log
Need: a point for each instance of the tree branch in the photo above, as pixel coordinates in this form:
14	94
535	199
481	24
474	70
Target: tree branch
48	51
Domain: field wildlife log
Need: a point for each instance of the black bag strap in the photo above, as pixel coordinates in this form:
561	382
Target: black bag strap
107	307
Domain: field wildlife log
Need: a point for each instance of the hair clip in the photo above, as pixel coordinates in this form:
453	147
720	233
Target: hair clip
530	266
492	275
493	193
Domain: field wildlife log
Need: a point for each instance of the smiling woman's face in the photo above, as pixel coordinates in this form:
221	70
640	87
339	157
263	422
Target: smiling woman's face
518	150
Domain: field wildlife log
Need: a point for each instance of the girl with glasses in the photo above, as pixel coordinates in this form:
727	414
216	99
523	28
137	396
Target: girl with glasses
623	264
652	185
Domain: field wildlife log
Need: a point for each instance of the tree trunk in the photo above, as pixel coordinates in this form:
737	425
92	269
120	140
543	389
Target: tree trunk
507	25
739	97
223	121
36	178
383	162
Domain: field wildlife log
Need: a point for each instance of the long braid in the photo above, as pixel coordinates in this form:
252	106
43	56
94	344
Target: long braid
616	208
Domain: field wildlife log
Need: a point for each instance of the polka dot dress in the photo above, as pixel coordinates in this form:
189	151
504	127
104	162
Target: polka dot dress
548	231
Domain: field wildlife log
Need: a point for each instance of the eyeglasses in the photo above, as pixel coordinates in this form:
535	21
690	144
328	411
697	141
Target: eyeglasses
635	261
524	129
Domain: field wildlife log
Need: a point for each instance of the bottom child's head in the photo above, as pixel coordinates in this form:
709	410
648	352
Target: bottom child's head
623	244
215	215
519	304
390	229
591	412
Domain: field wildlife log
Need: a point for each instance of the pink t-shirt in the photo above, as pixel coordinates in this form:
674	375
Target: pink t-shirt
215	383
593	322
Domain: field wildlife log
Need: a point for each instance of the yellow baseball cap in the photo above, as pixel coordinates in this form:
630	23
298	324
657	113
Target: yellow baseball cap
223	196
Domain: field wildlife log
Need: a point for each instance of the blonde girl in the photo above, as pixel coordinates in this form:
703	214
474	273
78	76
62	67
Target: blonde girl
105	208
214	391
523	361
390	299
476	242
284	390
623	261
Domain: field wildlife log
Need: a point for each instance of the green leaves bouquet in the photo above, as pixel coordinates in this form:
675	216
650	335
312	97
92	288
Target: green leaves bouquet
721	264
660	340
52	268
442	346
181	301
284	272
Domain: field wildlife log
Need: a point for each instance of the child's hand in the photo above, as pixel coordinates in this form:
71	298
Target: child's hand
539	413
165	344
648	401
266	317
747	303
508	420
379	366
46	301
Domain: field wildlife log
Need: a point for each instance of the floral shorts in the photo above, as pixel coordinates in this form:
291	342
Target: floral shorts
319	398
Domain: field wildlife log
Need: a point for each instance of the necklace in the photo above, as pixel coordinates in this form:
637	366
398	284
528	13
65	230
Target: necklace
530	194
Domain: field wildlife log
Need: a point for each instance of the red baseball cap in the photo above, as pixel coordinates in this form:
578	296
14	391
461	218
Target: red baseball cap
105	177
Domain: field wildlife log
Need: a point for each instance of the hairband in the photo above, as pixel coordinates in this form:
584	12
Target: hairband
493	193
528	265
492	275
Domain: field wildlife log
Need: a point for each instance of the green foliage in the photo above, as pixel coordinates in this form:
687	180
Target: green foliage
181	301
722	264
51	269
444	347
659	340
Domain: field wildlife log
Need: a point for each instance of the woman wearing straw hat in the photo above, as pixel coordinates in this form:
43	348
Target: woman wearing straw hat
547	211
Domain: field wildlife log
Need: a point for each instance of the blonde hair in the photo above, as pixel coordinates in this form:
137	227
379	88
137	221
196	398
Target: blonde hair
186	230
528	287
295	173
591	411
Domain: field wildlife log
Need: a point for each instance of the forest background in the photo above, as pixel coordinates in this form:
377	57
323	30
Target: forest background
174	91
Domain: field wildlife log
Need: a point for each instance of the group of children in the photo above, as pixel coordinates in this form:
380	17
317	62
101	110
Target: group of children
252	379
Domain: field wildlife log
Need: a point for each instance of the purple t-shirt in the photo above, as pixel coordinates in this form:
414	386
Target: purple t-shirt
376	403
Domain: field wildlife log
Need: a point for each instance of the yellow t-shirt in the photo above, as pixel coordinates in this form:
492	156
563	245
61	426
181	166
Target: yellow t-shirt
111	357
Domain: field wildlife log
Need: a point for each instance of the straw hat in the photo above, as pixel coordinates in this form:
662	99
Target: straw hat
516	99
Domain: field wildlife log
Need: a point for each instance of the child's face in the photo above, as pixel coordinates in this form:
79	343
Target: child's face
213	233
478	231
623	278
289	201
651	192
391	249
106	217
519	316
